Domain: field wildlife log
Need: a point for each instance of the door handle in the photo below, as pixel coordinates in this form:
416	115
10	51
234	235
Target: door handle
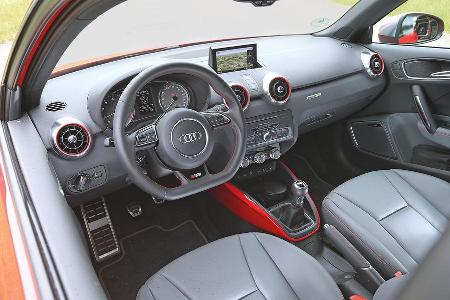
421	102
441	75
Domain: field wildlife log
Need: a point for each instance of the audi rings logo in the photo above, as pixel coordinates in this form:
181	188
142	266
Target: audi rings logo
190	137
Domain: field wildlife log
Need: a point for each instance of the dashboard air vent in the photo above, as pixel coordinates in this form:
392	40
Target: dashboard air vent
376	64
279	89
242	94
373	63
72	139
55	106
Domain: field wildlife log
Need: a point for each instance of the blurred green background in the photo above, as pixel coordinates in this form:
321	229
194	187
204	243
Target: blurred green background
11	15
439	8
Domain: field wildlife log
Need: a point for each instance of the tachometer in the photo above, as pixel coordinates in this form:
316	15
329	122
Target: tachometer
173	95
109	107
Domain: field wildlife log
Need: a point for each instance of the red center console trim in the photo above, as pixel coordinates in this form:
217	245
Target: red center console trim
249	210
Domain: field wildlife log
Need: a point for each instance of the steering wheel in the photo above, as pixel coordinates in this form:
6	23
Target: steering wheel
183	139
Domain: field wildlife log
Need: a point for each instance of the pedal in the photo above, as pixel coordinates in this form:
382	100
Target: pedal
134	209
102	236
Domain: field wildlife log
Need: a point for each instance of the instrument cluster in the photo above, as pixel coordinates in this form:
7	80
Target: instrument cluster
154	99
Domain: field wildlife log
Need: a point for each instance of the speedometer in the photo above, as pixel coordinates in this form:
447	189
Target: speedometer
173	95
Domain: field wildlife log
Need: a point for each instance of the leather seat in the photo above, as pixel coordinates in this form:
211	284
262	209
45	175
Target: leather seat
393	217
245	266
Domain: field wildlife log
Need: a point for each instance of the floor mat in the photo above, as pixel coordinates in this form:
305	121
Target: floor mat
318	188
146	252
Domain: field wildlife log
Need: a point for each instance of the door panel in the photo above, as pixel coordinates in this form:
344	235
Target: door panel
414	110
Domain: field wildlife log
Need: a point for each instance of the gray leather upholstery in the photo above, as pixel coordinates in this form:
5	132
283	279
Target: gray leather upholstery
390	290
245	266
393	217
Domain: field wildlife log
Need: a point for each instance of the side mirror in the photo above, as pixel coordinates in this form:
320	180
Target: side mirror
411	28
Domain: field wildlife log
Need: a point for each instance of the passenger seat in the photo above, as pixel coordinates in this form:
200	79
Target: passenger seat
393	217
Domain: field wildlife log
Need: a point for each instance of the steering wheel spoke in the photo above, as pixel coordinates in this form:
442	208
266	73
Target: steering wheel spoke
180	176
217	119
144	138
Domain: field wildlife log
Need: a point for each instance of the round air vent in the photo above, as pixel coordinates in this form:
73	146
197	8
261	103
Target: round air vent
242	94
72	139
376	64
55	106
278	89
373	63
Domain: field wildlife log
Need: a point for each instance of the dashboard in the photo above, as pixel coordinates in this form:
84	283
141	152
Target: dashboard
290	87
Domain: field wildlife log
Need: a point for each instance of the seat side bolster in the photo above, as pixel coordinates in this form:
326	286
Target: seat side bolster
371	247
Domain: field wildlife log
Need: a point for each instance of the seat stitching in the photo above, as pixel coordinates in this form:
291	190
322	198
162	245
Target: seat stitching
150	290
265	250
251	294
250	270
386	262
354	203
412	186
162	275
398	242
398	174
394	212
409	204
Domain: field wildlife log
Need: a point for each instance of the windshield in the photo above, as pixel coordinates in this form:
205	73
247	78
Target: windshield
137	25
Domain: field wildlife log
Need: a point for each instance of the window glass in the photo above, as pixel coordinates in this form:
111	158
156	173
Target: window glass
137	25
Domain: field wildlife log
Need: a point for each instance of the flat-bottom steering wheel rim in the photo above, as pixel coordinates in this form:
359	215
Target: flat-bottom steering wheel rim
126	150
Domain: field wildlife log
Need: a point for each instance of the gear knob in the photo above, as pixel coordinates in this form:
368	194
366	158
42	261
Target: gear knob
299	189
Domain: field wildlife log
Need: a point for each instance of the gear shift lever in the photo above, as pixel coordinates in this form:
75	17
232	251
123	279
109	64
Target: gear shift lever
299	189
292	213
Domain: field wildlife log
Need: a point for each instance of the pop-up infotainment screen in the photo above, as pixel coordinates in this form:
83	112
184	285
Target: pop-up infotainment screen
231	59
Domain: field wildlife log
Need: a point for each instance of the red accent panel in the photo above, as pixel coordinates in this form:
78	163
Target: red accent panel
245	208
38	42
357	297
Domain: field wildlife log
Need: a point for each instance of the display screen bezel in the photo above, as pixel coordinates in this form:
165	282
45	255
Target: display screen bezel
213	57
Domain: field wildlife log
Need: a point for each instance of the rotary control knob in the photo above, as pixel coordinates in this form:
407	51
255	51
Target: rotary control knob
275	153
80	182
269	135
259	157
245	163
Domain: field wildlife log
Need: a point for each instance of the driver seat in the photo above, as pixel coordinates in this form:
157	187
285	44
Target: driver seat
244	266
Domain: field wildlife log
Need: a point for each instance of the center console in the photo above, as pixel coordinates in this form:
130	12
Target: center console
273	199
265	192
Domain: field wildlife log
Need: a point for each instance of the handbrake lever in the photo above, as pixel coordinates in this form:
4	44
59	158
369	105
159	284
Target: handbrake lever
367	273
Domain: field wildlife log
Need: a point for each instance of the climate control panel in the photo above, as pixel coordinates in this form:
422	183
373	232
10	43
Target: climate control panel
265	134
269	129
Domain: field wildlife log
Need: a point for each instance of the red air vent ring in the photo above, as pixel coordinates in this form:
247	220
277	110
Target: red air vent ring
72	139
246	102
374	71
